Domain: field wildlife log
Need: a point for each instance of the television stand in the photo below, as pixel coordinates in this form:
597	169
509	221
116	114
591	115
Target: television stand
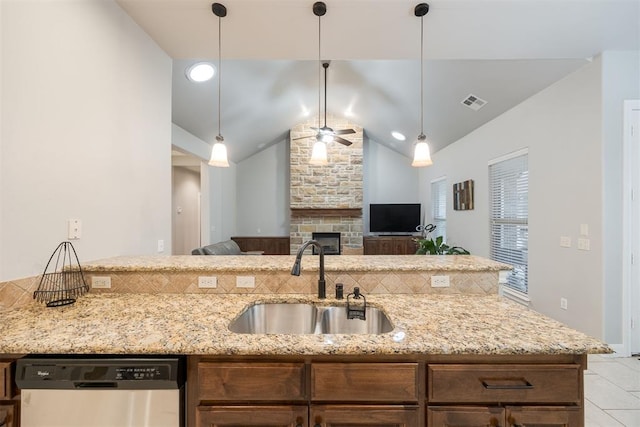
390	245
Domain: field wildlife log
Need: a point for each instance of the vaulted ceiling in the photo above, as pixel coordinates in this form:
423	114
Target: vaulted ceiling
500	51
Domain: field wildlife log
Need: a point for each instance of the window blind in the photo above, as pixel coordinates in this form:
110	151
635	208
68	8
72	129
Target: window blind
439	207
509	217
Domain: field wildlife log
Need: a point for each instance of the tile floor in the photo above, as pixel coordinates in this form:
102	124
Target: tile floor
612	392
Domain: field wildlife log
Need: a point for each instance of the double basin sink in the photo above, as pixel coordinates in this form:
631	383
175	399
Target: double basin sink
302	318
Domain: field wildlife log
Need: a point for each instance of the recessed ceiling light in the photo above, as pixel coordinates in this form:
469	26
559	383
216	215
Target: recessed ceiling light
397	135
200	72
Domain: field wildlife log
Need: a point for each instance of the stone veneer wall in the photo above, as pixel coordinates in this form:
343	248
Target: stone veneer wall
335	186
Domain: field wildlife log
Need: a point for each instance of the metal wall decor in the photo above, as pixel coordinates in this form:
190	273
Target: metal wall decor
463	195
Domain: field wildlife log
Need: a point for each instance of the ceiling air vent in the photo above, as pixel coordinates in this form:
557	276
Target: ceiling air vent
474	102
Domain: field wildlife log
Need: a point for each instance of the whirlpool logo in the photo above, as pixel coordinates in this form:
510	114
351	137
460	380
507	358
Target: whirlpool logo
43	373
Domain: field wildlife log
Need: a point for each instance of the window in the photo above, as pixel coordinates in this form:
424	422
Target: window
509	216
439	207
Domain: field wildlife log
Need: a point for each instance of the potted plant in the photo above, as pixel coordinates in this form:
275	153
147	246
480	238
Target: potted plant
438	247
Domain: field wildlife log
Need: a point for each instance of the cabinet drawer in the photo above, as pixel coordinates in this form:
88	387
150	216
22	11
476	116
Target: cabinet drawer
5	380
504	384
354	382
251	381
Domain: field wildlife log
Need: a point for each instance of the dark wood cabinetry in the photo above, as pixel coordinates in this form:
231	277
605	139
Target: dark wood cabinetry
409	391
9	405
389	245
268	245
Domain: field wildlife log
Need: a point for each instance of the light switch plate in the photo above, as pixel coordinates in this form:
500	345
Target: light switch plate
565	241
584	244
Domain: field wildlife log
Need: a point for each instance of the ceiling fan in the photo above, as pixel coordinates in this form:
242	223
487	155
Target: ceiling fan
325	133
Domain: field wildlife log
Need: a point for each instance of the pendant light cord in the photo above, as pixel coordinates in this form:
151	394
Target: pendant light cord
219	72
319	72
421	75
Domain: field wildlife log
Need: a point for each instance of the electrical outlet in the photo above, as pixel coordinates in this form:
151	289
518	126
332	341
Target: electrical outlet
563	303
75	229
245	282
101	282
160	245
439	281
207	282
565	241
584	244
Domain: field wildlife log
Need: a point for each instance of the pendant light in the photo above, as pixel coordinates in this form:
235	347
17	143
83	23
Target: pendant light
319	151
219	150
421	154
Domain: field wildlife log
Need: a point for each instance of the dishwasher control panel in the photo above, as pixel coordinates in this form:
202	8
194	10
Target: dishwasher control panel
87	372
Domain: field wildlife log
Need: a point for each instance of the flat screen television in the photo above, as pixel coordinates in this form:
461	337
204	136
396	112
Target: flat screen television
394	218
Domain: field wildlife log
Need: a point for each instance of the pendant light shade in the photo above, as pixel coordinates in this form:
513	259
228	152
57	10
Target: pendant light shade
219	150
319	154
219	154
421	153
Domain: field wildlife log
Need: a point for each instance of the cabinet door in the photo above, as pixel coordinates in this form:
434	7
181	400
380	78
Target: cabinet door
442	416
255	416
8	415
545	416
365	416
371	246
5	381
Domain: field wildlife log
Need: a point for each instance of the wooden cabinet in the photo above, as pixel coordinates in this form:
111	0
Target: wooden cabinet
268	245
300	394
387	391
389	245
364	415
262	416
552	393
542	416
9	407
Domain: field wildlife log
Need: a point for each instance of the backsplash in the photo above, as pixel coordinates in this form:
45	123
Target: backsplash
18	293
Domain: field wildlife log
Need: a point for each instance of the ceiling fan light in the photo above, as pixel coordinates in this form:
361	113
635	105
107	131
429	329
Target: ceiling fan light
219	155
319	154
325	137
421	155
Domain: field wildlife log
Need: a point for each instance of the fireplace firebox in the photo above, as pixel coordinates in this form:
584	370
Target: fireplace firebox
330	243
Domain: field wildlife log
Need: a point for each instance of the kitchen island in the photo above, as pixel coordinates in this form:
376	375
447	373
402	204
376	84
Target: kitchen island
456	356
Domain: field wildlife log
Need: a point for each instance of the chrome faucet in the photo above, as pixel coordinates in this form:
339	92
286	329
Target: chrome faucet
295	270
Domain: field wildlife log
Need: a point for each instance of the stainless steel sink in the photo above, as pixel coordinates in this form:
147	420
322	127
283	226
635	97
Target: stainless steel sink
276	318
334	321
299	318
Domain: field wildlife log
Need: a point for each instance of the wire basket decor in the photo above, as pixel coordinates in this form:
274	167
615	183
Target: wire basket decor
62	282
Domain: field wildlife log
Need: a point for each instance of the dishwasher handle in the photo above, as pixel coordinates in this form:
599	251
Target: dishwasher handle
95	384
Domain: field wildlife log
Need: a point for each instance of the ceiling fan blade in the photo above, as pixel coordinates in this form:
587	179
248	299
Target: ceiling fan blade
302	137
342	141
344	131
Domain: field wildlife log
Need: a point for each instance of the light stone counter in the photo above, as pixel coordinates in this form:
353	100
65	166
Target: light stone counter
283	263
197	324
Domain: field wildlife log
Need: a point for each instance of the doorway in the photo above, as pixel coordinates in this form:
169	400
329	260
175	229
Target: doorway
631	283
185	202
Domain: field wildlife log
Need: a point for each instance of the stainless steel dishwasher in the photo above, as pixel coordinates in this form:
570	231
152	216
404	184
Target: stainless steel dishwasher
100	391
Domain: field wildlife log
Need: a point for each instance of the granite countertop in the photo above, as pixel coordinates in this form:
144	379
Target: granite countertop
198	324
370	263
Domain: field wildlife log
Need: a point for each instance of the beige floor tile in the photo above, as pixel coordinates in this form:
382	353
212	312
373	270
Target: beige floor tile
596	417
629	418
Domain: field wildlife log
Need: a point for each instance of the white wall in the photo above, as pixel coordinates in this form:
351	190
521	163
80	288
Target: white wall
388	178
562	128
86	123
263	193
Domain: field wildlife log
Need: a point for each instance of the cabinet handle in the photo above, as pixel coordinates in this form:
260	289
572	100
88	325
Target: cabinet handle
525	385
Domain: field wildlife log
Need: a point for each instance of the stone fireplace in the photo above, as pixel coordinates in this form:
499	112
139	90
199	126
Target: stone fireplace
326	199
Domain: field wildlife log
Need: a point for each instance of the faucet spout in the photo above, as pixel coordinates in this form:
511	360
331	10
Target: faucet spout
295	270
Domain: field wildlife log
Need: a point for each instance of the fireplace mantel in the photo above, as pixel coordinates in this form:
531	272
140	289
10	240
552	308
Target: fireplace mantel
333	212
